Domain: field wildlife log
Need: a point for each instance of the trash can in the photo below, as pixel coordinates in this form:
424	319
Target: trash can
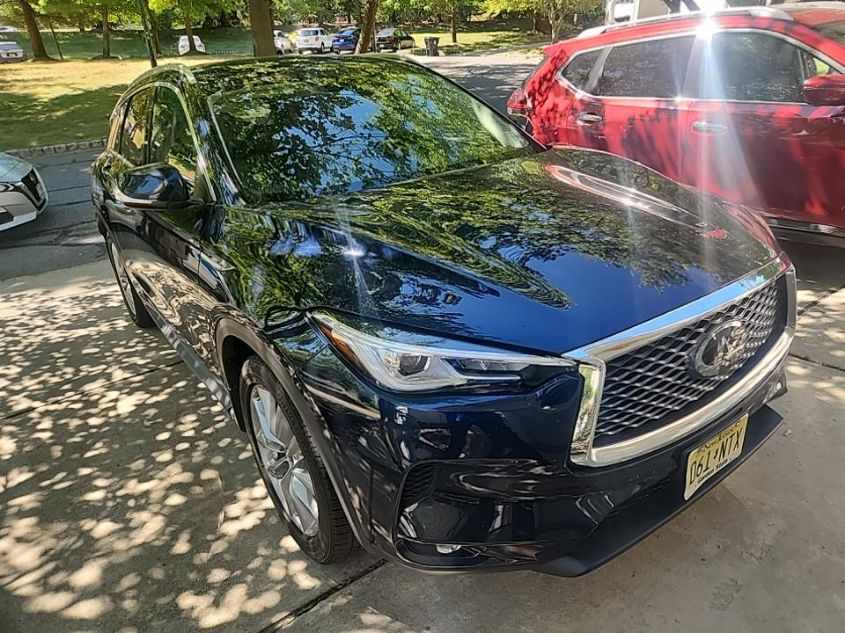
431	44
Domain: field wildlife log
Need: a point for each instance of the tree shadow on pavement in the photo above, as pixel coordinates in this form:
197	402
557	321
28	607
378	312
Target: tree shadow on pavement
128	500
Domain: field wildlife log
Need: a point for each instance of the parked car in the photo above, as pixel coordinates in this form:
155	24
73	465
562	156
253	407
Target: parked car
282	43
394	40
745	104
346	40
316	40
11	52
22	192
184	45
8	29
447	343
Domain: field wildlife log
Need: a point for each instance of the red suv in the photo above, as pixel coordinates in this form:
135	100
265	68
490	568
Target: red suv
746	104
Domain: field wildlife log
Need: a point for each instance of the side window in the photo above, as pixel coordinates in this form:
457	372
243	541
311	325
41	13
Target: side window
133	136
655	69
171	141
756	67
577	71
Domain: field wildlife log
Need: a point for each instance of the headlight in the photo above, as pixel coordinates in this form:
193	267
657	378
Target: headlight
404	361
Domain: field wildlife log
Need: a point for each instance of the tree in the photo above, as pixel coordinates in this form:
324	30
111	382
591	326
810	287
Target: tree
555	11
29	17
368	27
261	25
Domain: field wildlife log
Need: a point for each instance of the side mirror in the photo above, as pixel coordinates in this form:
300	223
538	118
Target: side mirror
825	90
154	187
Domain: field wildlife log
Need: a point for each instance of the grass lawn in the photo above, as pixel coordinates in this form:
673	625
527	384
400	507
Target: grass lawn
477	41
59	102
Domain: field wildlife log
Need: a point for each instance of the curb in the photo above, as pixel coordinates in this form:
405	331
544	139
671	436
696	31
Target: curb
61	148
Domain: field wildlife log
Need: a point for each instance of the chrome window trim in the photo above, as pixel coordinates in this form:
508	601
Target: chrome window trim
593	357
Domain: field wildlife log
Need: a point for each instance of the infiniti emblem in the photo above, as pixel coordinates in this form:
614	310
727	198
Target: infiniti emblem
720	350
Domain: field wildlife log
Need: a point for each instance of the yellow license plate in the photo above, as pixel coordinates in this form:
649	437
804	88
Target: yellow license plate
712	456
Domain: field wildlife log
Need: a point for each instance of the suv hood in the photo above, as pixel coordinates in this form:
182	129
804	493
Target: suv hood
546	253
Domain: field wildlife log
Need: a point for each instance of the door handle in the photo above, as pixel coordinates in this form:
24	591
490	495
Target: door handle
588	118
707	127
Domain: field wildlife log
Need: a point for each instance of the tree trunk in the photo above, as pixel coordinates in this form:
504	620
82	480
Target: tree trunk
454	23
104	13
535	21
38	50
368	26
261	25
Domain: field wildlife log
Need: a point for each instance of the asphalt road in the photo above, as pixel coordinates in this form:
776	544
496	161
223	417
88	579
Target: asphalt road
128	503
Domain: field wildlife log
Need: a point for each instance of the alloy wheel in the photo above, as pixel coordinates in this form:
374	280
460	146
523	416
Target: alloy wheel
282	459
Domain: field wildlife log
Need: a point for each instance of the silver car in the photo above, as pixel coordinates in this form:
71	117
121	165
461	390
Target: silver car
22	192
11	52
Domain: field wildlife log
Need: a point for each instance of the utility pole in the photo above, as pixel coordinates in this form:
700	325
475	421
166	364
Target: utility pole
142	7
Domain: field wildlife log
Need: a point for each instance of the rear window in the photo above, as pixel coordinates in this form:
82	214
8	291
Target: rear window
577	71
344	127
308	32
832	30
655	69
9	46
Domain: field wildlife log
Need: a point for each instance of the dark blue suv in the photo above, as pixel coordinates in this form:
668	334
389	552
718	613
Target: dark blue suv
446	343
346	40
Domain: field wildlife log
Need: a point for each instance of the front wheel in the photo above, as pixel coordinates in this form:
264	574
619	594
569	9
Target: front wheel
134	306
322	49
293	473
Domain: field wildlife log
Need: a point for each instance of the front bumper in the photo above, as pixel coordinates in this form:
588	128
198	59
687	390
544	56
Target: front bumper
492	475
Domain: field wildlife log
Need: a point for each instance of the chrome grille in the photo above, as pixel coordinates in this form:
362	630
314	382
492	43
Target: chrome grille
644	387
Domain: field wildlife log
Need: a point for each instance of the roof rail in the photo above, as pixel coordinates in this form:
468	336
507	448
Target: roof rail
763	12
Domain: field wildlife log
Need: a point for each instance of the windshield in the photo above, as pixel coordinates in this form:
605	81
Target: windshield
832	30
343	126
348	32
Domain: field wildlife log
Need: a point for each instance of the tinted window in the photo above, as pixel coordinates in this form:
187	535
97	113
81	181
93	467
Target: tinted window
308	32
577	71
756	67
341	127
655	69
832	30
133	136
171	141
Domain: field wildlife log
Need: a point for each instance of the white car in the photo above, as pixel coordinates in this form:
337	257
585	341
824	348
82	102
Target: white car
314	39
184	46
11	52
22	192
282	43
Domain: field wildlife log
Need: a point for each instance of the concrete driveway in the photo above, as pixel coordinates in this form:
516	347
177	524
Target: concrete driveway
128	503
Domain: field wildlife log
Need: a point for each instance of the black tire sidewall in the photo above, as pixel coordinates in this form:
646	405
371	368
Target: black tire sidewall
141	316
318	547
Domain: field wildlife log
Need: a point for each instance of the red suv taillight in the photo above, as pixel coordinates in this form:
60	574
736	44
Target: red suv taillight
518	103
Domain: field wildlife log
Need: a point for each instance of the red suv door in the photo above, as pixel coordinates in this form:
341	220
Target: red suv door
752	138
633	103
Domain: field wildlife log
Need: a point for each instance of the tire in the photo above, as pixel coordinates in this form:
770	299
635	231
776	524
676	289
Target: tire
322	48
326	538
134	306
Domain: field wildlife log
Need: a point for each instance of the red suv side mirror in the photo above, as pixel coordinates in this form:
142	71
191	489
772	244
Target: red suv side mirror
825	90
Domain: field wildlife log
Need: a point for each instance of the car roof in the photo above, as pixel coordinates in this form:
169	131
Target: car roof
807	13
